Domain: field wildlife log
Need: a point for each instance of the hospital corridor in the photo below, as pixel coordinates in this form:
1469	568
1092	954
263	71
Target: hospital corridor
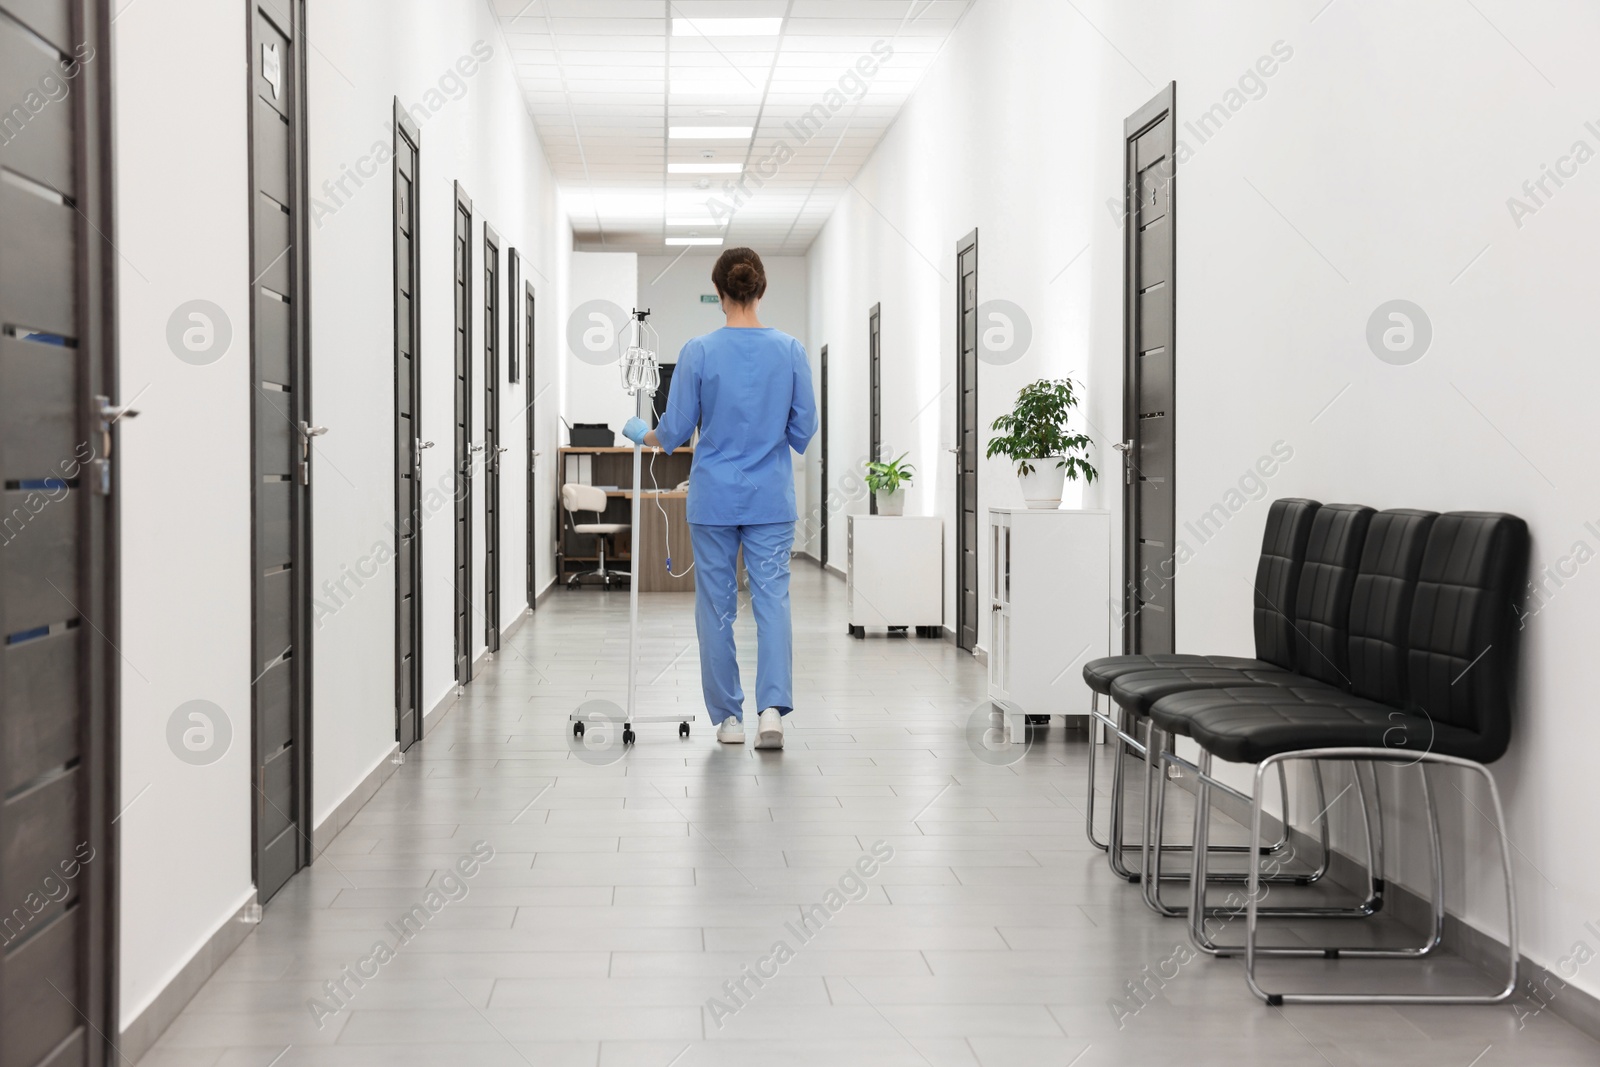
660	533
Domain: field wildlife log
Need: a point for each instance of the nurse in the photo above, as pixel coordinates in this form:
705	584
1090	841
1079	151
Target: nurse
747	387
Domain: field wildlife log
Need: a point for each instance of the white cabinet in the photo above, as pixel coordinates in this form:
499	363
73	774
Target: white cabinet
1050	610
895	566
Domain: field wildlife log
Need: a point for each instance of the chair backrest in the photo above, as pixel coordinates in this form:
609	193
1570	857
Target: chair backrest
577	497
1283	552
1322	602
1380	604
1460	652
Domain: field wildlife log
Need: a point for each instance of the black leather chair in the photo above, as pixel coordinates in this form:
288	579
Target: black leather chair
1369	584
1429	666
1283	550
1316	627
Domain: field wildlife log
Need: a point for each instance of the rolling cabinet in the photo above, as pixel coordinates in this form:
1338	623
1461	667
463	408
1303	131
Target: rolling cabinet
1049	583
895	573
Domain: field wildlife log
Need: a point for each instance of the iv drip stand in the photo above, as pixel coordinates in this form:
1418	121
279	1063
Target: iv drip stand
640	375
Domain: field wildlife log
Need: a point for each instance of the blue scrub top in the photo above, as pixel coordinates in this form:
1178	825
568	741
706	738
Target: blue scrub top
749	392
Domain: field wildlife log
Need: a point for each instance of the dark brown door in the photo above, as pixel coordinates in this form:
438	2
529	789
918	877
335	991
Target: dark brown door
491	438
1148	397
462	434
58	671
875	392
531	392
408	443
967	441
284	441
822	551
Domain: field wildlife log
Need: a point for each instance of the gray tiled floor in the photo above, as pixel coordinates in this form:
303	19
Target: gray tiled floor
624	892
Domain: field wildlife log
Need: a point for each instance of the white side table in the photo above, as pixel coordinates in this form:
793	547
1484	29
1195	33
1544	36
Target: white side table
1050	610
895	567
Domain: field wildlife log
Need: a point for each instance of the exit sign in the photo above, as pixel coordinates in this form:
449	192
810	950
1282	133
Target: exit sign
708	298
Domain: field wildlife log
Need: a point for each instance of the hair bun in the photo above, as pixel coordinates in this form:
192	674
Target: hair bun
739	275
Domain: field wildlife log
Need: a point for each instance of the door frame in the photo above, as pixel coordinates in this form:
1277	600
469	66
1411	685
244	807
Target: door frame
493	336
967	244
822	361
874	393
1164	105
94	160
530	378
300	523
405	128
461	439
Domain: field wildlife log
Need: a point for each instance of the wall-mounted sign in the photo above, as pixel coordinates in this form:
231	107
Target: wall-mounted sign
709	298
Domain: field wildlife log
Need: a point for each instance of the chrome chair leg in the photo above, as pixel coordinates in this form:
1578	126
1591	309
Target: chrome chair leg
1156	784
1088	821
1252	909
1267	869
1114	836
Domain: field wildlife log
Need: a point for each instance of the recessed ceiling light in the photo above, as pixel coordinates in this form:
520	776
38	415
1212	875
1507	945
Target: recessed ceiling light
711	133
731	86
705	168
710	224
712	112
746	27
690	242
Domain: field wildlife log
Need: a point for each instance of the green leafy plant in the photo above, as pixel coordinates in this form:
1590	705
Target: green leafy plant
887	477
1036	429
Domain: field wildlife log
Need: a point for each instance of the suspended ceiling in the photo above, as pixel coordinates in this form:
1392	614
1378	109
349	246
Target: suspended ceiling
605	80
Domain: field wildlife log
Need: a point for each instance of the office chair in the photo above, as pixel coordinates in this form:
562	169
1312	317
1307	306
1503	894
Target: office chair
576	498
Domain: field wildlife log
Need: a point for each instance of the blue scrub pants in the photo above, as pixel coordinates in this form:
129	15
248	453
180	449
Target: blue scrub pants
716	604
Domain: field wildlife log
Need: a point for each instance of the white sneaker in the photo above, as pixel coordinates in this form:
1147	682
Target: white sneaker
731	731
769	729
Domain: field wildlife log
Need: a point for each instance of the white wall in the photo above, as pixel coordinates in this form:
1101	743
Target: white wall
590	392
183	235
672	291
475	130
1376	164
964	154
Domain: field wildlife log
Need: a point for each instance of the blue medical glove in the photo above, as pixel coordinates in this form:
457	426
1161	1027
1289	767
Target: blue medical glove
635	429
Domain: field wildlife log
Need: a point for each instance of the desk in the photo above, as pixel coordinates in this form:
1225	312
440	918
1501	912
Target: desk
614	466
654	530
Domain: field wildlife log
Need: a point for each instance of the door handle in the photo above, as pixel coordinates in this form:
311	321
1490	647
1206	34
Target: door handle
109	413
474	448
1126	448
503	449
421	444
307	432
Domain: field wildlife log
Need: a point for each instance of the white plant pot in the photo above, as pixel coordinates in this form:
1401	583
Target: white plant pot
1041	490
891	503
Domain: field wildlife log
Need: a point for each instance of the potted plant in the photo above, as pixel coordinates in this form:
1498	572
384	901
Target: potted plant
888	481
1035	437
